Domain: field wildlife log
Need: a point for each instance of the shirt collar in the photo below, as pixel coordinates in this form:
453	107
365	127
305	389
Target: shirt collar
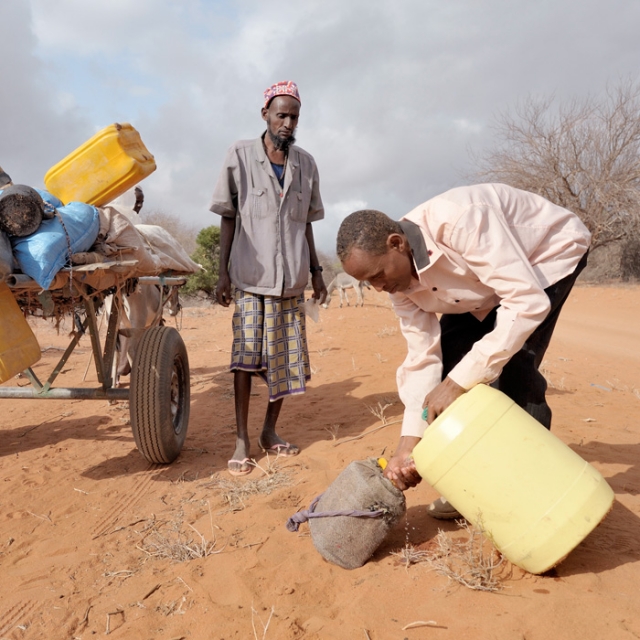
292	160
416	242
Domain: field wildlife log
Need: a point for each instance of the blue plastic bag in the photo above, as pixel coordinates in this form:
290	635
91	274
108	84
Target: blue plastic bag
42	254
49	198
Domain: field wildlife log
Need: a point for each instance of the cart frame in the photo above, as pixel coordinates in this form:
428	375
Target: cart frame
158	392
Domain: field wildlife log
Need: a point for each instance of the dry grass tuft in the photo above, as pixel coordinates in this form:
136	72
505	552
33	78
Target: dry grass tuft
410	555
235	493
333	430
387	331
378	411
616	385
169	539
473	562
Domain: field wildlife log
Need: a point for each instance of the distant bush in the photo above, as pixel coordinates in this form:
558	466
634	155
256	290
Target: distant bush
185	234
207	254
630	259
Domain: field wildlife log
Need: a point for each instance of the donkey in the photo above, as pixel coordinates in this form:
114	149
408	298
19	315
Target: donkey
342	282
142	309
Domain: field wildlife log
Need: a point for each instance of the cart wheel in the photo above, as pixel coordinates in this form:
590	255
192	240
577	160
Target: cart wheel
160	394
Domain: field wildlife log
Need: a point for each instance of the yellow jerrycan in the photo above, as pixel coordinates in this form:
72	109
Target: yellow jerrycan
103	168
534	497
19	348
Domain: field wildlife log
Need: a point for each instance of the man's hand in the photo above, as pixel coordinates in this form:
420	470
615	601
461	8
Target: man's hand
401	469
441	397
319	288
223	290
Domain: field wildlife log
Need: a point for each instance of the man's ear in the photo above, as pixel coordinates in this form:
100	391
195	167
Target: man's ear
397	242
263	112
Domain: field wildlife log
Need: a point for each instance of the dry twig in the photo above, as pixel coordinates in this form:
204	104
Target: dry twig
254	613
420	623
366	433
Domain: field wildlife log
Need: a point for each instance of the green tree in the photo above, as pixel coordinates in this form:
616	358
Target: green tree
207	254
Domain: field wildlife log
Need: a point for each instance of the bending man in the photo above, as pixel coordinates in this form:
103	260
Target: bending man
498	263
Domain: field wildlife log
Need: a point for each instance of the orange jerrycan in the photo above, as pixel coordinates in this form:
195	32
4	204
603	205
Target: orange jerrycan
534	497
103	168
19	348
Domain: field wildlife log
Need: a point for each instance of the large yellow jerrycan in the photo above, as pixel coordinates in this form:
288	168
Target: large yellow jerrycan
535	498
19	348
103	168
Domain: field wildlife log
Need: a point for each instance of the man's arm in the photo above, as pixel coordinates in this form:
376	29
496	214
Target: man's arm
419	374
317	281
492	252
225	204
223	286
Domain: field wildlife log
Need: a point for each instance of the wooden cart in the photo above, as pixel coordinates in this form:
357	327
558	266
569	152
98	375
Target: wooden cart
159	390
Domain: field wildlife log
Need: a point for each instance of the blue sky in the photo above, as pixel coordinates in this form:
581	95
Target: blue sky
396	96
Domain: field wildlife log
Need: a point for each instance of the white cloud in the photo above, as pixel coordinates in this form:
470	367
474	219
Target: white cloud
463	125
393	94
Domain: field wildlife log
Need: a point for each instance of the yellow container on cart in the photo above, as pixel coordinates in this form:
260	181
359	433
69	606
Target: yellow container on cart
19	348
103	168
535	498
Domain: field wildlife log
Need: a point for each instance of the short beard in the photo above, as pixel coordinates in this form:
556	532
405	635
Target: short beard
281	144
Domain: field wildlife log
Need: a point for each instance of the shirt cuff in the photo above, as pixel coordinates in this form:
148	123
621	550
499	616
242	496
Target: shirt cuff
413	424
467	374
223	211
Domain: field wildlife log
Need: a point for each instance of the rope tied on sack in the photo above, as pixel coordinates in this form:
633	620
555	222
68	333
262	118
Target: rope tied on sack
69	249
294	522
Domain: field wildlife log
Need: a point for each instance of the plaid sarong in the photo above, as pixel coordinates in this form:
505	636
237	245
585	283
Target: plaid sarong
270	339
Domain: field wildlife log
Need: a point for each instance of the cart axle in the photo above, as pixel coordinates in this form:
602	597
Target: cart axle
67	393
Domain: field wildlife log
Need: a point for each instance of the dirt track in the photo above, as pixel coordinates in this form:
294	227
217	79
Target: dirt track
85	518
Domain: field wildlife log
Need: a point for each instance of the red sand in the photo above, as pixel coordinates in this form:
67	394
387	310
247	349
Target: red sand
80	504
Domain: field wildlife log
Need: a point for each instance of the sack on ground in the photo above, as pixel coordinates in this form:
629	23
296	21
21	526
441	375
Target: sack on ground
350	540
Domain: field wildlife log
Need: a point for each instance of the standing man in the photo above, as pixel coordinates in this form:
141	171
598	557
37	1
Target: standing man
498	263
268	194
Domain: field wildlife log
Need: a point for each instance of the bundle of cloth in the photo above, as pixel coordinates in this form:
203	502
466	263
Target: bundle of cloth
39	235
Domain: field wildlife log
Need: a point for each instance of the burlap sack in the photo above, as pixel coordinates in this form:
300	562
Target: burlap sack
155	249
349	541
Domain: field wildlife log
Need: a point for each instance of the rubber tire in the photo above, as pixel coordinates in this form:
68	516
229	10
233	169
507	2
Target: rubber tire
159	396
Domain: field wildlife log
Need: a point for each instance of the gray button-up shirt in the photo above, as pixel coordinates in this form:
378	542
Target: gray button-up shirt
269	254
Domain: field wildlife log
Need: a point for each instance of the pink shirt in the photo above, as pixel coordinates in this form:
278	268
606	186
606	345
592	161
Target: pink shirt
484	245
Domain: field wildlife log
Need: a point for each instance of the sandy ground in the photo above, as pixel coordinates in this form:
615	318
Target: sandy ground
85	519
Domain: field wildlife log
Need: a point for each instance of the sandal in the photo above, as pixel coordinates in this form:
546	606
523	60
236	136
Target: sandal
241	471
284	449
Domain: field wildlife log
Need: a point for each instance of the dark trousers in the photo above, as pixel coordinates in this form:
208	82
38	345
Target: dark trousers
520	379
